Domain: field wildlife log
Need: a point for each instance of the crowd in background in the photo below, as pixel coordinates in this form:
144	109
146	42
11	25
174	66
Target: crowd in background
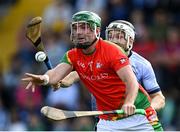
157	39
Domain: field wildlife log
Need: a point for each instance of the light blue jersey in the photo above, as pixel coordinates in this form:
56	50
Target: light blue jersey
144	72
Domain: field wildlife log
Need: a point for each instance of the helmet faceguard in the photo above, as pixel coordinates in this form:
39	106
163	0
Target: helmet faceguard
84	29
119	28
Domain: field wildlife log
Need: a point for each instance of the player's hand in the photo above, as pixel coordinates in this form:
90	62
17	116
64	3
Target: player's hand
56	86
129	109
63	83
33	80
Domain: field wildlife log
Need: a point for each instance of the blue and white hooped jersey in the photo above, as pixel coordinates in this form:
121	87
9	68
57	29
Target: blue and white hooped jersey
144	72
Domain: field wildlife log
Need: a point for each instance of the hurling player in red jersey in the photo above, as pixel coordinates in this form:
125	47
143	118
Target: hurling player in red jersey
104	70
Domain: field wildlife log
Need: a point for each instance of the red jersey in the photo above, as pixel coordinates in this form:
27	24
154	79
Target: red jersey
98	72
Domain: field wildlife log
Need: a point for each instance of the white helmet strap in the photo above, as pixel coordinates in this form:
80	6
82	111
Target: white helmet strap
127	44
97	35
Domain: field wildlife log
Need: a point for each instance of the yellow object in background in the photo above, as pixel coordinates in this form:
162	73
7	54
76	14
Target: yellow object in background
11	23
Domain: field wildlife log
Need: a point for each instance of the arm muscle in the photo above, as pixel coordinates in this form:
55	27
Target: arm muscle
127	76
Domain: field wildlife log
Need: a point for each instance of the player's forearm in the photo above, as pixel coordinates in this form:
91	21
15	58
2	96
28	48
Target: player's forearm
158	101
127	76
72	77
131	91
58	73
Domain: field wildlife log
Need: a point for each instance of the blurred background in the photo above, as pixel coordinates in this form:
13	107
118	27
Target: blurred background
157	39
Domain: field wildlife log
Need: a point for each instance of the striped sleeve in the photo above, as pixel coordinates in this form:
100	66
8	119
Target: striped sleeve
66	59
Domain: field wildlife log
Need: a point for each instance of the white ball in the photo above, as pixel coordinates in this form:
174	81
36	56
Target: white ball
40	56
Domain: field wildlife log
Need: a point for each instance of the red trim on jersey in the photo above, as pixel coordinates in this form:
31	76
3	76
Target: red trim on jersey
144	92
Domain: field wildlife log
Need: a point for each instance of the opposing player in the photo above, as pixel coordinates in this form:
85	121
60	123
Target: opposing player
106	72
119	32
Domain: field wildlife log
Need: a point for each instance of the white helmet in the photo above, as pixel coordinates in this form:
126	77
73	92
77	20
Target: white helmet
124	26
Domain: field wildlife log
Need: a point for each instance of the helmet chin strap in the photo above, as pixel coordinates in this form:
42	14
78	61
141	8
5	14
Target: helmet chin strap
128	46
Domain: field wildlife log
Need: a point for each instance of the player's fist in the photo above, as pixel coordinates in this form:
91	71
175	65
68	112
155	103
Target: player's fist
128	109
63	83
66	83
56	86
